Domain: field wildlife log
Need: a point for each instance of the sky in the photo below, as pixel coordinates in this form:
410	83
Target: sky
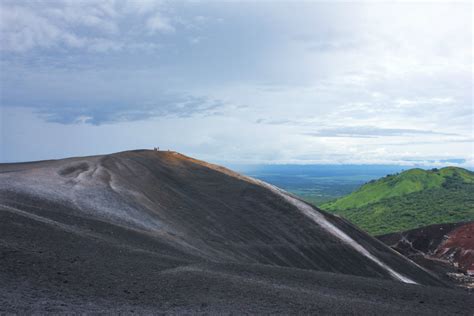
239	82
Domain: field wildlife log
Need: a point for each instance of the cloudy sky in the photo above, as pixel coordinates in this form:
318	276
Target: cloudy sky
238	82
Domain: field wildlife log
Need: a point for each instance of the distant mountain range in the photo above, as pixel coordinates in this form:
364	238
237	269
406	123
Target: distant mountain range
408	200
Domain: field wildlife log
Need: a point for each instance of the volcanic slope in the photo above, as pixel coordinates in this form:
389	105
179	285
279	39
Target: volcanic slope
442	248
158	231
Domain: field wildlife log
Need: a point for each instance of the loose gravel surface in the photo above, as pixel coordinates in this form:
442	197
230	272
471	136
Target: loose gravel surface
150	232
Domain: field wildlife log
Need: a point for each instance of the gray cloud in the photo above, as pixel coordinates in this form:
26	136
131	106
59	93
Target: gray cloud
277	122
461	140
329	41
177	106
370	132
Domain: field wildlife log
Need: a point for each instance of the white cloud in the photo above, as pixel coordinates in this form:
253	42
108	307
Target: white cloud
159	23
142	7
98	26
22	29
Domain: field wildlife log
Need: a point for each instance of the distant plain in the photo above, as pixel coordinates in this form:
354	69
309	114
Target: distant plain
319	184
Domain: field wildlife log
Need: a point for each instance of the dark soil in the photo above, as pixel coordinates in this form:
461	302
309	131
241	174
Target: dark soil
150	232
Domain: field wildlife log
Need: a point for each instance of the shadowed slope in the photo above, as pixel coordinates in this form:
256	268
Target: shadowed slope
442	248
126	226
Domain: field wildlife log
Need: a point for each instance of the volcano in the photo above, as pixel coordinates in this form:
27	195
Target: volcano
154	231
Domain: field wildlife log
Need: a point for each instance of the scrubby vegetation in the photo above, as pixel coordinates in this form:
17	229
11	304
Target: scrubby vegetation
408	200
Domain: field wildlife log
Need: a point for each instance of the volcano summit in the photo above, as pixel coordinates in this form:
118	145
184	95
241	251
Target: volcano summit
152	231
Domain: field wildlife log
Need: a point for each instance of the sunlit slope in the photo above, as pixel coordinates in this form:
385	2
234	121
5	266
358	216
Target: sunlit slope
410	199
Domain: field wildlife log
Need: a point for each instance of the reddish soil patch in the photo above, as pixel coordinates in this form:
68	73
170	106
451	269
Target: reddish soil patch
459	247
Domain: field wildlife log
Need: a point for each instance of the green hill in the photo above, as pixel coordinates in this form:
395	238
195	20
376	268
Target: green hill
411	199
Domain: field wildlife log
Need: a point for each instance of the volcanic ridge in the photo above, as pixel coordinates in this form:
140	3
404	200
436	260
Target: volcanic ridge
155	231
